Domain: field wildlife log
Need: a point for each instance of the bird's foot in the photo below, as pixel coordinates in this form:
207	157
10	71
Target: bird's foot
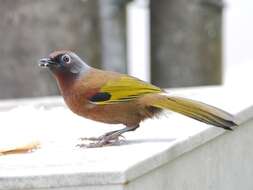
99	143
108	139
97	138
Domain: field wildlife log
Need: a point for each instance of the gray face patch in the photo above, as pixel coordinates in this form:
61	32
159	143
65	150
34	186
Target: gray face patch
78	65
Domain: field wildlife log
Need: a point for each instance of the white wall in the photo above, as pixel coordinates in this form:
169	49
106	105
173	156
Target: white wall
238	42
238	32
138	39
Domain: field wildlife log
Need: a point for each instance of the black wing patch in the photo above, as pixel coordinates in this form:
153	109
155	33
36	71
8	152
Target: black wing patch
100	97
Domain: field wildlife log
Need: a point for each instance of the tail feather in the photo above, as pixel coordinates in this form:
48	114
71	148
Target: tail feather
197	110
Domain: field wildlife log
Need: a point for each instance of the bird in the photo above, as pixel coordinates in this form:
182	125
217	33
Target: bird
116	98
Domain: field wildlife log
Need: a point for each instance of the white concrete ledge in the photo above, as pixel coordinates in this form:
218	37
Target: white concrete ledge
172	152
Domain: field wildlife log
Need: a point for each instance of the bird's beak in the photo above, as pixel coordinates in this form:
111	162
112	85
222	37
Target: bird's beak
46	62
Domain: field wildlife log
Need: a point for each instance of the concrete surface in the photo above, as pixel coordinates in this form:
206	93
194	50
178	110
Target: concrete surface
172	152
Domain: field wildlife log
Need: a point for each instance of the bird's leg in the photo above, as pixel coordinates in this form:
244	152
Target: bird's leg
110	137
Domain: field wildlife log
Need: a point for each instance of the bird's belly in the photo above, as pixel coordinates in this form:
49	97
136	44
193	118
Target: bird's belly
128	113
122	113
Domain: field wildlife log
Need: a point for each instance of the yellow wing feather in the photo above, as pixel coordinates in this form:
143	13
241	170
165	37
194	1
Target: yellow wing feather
126	88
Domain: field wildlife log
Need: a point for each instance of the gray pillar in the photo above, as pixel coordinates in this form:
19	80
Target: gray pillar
186	42
31	29
113	34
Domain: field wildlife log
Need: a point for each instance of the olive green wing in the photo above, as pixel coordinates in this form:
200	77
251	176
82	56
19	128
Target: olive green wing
123	89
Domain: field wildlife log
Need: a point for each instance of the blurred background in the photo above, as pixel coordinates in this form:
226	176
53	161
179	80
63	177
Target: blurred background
171	43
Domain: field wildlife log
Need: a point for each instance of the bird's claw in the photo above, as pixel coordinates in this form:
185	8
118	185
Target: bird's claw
89	138
100	138
104	140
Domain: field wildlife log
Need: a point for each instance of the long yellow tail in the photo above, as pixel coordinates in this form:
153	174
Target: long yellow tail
197	110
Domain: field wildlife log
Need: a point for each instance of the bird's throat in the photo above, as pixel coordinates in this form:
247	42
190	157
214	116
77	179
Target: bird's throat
65	81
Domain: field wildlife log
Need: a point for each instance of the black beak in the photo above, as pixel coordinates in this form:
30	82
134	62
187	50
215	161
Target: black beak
46	62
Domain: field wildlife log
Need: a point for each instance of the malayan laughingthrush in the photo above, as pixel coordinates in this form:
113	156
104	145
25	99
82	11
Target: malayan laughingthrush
116	98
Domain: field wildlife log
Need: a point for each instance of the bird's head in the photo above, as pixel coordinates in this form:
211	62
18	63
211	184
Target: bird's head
64	62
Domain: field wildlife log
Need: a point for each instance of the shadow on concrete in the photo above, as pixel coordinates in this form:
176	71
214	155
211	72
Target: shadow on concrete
149	140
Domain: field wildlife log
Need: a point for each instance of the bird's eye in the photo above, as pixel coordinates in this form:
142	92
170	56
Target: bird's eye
66	58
